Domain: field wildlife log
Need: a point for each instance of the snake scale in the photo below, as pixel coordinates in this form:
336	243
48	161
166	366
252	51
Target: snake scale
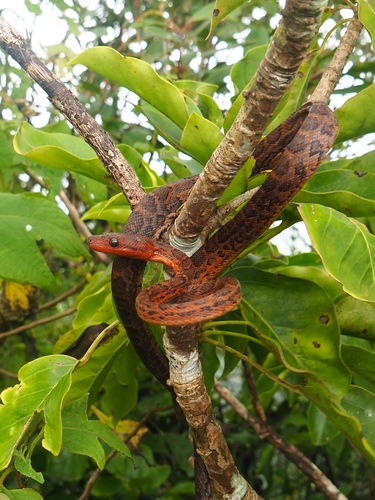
292	152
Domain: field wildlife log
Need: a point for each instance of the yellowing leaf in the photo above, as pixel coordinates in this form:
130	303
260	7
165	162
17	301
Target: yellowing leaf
43	385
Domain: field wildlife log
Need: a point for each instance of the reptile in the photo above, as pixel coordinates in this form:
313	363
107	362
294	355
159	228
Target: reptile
292	152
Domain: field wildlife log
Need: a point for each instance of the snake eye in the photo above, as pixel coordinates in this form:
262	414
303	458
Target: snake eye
114	242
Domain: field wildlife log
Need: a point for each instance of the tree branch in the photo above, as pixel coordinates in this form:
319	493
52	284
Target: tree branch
38	322
63	100
186	377
334	71
285	53
266	433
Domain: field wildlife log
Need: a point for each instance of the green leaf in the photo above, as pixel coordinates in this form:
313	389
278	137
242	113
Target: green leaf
145	174
81	435
20	259
162	124
94	309
296	321
23	465
200	138
316	274
360	361
138	76
348	191
116	209
360	404
222	9
366	14
43	385
322	430
23	494
121	386
90	377
202	88
346	248
356	318
354	118
62	151
170	157
8	155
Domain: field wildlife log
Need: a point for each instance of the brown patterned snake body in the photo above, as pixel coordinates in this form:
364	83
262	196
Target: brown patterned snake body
293	151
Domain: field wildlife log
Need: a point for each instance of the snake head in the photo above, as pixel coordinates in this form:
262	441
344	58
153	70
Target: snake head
127	245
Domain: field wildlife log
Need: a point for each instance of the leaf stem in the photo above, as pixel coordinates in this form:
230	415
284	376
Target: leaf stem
270	375
85	358
233	334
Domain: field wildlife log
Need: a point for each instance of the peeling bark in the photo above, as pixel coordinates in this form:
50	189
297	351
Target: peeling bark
186	377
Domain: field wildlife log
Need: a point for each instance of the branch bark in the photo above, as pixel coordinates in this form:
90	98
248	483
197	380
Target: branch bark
285	53
186	377
334	71
63	100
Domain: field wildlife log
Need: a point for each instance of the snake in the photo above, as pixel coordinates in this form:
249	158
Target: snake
291	152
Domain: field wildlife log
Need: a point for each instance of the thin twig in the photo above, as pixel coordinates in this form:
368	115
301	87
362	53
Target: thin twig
333	73
38	322
249	377
266	433
63	296
8	374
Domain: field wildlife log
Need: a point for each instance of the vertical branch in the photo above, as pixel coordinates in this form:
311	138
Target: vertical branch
285	53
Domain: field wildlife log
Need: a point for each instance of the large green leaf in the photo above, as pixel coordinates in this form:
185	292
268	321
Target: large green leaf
81	435
346	247
354	118
138	76
62	151
25	218
295	319
349	191
200	138
43	385
366	14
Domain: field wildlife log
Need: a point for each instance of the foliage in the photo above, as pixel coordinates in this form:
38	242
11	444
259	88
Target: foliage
308	319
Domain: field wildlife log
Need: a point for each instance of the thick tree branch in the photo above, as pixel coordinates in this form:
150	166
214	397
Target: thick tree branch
186	377
63	100
286	52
